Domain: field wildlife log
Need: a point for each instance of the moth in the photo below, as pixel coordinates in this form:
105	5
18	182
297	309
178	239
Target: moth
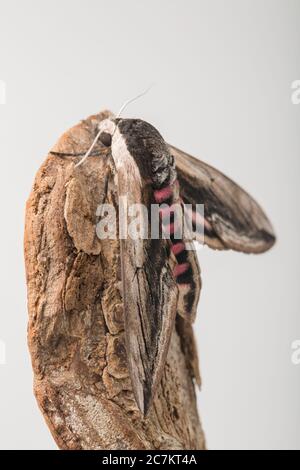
150	171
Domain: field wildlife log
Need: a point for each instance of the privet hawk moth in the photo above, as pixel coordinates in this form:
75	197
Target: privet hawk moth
150	171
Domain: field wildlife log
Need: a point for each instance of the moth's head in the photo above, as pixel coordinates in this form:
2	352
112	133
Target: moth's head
107	128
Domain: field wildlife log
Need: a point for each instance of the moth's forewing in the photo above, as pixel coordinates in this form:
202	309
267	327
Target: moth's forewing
149	296
234	219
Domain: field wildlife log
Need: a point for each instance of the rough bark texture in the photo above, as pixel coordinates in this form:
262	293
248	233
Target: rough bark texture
76	328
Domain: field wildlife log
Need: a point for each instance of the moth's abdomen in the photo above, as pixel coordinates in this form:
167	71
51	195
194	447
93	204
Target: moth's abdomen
186	272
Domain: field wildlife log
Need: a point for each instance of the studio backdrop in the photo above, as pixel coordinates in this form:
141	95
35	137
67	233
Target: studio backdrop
225	82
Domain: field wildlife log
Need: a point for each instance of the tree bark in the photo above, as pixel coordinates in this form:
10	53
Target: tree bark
76	328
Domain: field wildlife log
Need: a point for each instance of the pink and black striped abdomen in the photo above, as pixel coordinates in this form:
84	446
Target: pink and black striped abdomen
186	271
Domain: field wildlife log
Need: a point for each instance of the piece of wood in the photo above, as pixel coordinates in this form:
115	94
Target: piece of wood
76	319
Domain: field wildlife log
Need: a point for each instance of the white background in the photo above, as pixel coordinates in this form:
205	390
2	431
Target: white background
223	72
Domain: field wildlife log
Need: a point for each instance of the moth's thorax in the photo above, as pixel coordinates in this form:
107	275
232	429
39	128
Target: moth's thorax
145	147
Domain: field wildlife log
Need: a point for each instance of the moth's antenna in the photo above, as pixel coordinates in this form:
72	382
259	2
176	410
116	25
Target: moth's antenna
118	115
133	99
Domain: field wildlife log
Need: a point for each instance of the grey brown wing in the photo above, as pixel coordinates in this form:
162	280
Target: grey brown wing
150	299
232	218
